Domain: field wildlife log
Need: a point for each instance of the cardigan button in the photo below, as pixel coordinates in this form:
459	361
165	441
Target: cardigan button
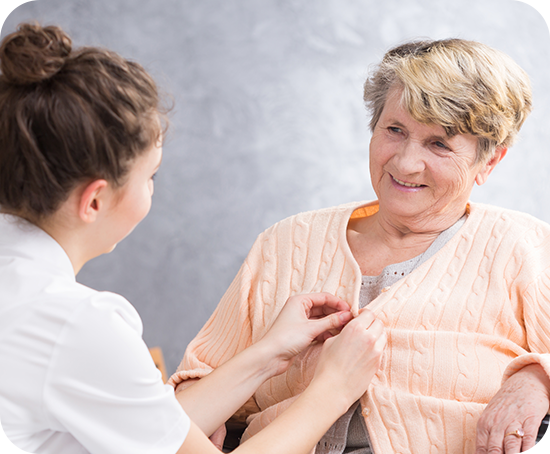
366	412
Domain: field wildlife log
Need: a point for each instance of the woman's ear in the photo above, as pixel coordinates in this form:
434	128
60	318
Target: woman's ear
92	200
488	167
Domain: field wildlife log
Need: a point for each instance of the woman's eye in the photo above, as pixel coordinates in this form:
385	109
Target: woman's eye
441	145
394	129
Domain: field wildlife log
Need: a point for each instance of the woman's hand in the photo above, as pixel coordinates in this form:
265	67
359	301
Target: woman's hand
349	360
304	319
521	403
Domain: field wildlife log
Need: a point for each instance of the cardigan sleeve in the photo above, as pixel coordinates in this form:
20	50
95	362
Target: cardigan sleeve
535	294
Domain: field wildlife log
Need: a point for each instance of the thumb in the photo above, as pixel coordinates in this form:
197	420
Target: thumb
333	321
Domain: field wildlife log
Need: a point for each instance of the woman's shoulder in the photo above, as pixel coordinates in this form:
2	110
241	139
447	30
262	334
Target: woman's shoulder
522	233
520	220
323	217
315	237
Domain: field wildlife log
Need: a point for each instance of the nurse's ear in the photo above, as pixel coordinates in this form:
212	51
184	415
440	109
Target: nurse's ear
488	167
92	200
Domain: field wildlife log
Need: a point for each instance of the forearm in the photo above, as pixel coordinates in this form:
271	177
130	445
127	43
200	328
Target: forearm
295	431
538	371
212	400
539	378
298	429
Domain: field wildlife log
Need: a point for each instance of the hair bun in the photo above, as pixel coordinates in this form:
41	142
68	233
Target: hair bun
33	53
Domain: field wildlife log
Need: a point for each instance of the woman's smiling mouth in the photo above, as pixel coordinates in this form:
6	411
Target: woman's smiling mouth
408	185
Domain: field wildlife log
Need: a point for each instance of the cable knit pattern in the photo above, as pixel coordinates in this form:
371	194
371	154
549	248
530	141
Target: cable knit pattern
458	325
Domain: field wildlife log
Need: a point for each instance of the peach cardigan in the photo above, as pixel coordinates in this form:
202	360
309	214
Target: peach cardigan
458	325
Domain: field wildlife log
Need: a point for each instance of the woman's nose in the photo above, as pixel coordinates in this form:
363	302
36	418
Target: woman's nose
409	159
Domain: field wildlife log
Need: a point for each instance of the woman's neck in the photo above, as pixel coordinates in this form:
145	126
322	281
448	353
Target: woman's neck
377	241
416	227
69	239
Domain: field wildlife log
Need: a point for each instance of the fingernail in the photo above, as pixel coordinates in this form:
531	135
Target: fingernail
345	317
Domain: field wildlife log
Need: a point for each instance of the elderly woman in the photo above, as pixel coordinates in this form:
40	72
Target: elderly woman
463	289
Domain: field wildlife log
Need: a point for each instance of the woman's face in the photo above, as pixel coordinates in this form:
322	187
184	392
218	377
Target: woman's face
133	199
418	172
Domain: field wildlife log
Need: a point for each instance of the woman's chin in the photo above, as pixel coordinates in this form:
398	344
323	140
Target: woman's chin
405	207
109	249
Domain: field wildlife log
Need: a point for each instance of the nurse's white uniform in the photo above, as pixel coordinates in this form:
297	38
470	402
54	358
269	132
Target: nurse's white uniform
75	374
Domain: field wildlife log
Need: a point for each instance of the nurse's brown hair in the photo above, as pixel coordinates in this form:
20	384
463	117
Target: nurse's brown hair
67	116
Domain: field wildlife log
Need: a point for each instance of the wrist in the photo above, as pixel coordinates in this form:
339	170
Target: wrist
269	360
333	397
537	373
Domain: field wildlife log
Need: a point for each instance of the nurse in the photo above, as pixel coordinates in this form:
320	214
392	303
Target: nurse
80	142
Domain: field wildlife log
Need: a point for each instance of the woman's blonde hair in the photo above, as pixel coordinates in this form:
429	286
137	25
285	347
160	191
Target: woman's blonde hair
464	86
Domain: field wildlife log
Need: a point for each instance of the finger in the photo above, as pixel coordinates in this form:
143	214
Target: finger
331	332
326	335
324	303
501	440
377	335
482	438
218	437
531	430
376	328
495	442
330	322
361	329
329	341
528	443
380	344
365	318
322	311
511	443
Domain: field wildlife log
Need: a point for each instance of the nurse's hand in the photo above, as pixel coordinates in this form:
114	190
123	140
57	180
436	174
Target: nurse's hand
520	404
303	320
349	361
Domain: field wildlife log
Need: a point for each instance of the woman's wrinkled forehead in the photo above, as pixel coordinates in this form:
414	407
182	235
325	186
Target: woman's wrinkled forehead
396	99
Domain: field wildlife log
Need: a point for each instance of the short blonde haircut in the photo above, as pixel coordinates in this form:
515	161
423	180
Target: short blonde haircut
464	86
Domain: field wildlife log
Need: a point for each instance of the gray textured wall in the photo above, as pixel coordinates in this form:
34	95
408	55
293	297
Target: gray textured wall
269	121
